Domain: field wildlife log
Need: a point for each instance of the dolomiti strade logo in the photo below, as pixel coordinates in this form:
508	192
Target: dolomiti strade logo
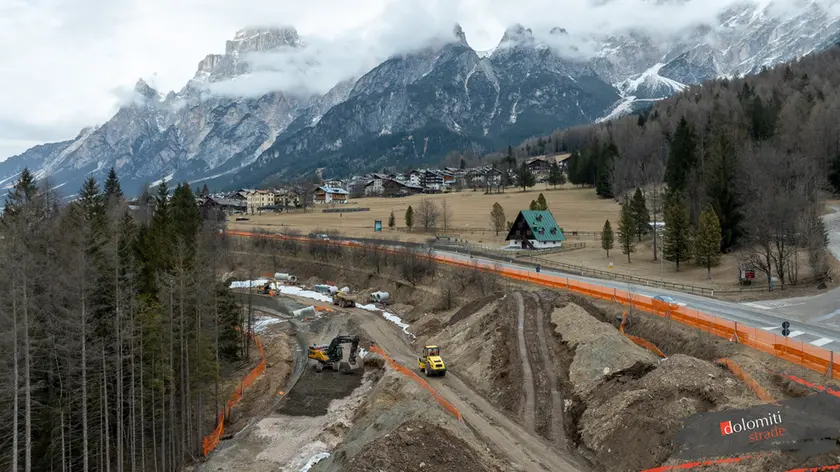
808	424
756	427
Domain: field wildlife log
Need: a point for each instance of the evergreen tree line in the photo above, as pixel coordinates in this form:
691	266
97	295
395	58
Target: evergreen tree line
115	327
681	242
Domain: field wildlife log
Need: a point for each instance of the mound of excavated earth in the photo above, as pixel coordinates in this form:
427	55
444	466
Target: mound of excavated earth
401	428
600	349
629	402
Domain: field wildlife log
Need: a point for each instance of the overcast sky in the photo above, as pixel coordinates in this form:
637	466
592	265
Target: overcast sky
66	64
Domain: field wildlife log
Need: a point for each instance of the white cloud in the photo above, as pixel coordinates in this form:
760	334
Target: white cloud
66	64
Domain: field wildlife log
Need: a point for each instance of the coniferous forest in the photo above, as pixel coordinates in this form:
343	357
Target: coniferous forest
115	326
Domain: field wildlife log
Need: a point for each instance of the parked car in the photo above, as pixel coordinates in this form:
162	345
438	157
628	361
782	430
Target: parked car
668	300
322	237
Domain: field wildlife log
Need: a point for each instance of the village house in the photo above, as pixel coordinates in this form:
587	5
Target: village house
257	199
535	230
226	206
538	165
324	195
395	188
432	180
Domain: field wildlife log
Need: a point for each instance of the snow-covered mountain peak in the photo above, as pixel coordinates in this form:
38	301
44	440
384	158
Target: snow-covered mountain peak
460	36
144	89
262	40
516	35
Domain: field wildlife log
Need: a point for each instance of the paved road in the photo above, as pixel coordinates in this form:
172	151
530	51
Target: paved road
823	309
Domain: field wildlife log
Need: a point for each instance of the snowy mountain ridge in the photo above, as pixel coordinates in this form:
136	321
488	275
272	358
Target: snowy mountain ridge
411	108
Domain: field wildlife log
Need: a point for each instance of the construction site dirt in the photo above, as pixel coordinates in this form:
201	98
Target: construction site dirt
543	381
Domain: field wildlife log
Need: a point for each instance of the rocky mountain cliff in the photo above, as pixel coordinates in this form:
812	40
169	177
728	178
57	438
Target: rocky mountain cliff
412	108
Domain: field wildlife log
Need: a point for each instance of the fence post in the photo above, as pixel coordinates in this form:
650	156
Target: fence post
830	371
614	297
734	337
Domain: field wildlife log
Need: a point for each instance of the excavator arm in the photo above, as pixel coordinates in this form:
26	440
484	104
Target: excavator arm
334	350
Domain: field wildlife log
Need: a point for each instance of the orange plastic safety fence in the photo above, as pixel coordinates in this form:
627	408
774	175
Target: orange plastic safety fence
814	386
737	371
814	358
691	465
645	344
212	440
637	340
823	468
450	408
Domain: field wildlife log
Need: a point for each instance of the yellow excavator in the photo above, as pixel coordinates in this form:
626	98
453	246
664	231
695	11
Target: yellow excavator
431	363
331	356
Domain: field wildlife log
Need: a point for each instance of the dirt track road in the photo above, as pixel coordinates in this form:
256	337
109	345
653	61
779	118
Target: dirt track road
525	449
527	375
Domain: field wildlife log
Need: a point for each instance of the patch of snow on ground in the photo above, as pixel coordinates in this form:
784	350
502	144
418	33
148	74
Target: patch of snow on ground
388	316
263	322
314	460
249	283
297	291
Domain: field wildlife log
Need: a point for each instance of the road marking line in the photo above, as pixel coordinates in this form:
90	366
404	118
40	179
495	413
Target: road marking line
795	334
757	305
821	342
770	328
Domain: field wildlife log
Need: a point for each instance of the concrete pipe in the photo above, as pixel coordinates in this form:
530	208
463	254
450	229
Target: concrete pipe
306	311
285	277
379	297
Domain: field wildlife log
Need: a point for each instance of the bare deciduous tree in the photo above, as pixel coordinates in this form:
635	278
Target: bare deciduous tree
427	214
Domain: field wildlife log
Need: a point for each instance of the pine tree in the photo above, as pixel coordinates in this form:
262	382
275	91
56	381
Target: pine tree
497	217
555	175
113	190
682	157
541	203
707	241
677	238
23	192
463	164
525	178
392	221
604	169
607	237
92	201
576	168
627	230
205	191
184	218
409	217
640	214
534	206
722	190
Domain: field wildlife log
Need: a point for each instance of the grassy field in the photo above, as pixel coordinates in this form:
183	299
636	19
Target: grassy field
575	209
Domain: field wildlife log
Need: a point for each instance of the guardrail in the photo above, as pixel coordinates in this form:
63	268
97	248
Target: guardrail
797	352
343	210
603	274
